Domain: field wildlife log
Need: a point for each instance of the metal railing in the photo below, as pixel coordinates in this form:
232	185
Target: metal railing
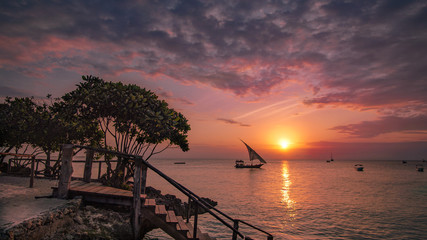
193	199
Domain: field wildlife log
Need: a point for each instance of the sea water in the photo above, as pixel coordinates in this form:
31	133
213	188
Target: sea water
306	199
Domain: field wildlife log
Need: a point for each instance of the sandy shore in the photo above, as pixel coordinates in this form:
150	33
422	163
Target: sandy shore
18	202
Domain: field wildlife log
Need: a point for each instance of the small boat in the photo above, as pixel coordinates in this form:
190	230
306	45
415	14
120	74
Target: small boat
358	167
252	156
331	160
404	161
179	162
419	167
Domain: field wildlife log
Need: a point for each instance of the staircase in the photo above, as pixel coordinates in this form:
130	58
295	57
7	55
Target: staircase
174	226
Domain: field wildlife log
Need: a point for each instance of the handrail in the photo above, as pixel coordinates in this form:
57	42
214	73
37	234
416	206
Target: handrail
199	201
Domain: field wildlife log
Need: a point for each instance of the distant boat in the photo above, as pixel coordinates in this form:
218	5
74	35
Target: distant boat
331	160
179	162
358	167
252	156
404	161
419	167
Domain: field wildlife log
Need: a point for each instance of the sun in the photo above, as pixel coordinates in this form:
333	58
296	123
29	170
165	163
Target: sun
284	144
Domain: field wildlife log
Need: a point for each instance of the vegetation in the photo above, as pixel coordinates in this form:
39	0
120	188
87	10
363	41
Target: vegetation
132	120
43	126
16	122
125	118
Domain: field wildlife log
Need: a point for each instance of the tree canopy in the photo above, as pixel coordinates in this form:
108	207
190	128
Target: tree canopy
133	120
125	118
42	126
133	116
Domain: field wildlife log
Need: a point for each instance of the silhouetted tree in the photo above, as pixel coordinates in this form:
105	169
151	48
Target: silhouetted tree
132	119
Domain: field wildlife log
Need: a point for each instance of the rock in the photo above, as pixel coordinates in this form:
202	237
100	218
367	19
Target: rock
78	219
90	208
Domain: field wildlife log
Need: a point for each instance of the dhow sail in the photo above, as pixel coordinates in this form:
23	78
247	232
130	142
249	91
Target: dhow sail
252	154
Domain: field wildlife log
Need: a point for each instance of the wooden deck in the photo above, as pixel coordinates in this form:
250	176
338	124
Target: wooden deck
95	192
173	225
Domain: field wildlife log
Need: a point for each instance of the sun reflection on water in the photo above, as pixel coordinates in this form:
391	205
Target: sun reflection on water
286	185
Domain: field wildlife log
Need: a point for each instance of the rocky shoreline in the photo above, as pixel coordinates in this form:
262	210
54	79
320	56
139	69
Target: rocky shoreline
72	219
96	222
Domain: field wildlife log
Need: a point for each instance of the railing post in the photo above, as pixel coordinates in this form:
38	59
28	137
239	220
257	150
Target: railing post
37	166
143	177
99	170
235	226
136	205
9	167
270	238
188	210
33	158
88	165
196	216
66	171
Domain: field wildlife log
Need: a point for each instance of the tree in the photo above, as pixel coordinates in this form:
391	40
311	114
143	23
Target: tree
133	121
55	127
17	123
43	126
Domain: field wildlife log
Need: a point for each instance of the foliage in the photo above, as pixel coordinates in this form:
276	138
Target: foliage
43	126
132	119
16	123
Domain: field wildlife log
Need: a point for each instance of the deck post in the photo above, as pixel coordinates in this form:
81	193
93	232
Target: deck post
99	170
9	166
188	210
196	215
235	226
270	237
136	204
143	177
66	171
37	166
88	165
33	158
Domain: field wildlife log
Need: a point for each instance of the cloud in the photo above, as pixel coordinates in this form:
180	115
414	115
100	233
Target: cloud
353	53
231	121
362	151
387	124
7	91
169	95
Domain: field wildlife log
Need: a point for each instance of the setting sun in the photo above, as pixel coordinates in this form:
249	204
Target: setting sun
284	144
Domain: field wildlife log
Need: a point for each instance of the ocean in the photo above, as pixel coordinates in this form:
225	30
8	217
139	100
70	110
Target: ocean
306	199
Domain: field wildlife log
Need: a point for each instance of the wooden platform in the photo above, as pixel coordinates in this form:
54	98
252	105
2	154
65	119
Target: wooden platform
95	192
173	225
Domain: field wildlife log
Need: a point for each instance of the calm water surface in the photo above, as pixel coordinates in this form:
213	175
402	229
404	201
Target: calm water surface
307	199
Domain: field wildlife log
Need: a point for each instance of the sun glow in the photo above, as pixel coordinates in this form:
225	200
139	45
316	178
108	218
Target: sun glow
284	144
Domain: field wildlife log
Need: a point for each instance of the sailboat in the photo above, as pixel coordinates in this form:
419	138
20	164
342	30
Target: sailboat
332	159
252	156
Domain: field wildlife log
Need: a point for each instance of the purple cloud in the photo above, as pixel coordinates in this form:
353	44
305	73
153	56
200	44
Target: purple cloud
231	121
388	124
360	53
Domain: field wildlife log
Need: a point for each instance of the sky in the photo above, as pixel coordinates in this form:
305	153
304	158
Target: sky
342	77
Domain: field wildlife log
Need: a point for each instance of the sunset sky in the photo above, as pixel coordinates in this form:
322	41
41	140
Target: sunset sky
348	77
